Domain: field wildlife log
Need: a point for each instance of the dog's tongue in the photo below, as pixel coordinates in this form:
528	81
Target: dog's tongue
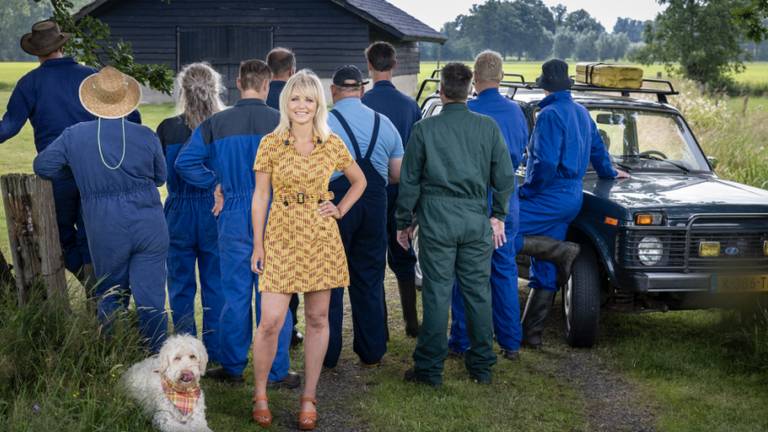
187	376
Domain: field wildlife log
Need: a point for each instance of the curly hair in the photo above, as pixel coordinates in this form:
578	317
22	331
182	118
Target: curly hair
200	89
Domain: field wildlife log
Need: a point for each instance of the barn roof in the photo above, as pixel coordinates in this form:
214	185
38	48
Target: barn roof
379	13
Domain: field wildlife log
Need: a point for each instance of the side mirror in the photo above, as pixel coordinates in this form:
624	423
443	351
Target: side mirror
712	161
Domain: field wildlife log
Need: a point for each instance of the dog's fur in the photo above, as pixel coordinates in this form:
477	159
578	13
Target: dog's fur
179	356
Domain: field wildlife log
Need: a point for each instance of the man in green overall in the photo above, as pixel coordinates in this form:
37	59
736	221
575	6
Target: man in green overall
452	161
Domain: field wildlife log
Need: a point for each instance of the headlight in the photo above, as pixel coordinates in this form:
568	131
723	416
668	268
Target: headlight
650	251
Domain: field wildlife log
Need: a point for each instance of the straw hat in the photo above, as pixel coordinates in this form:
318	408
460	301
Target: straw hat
45	38
110	94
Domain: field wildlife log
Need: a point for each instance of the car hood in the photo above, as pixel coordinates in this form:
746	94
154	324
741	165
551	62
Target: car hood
682	193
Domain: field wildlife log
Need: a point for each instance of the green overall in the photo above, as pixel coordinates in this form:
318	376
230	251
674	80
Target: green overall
450	162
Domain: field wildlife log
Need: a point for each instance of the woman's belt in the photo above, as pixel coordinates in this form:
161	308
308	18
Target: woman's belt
303	197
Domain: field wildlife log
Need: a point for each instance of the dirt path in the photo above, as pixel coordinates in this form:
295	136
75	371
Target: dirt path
612	402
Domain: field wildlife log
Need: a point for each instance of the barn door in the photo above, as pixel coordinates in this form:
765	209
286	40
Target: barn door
224	47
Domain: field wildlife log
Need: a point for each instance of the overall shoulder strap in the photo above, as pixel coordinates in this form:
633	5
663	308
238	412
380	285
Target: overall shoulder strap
374	135
348	130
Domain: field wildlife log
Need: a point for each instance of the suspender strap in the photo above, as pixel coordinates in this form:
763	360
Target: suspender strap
353	139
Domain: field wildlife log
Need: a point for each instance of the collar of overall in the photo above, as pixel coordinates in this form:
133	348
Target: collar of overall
183	400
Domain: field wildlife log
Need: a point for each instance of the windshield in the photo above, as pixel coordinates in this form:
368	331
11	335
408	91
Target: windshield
646	140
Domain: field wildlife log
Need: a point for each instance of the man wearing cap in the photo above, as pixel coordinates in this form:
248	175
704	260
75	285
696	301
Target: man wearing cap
454	160
378	149
564	142
403	111
220	154
489	72
118	166
48	97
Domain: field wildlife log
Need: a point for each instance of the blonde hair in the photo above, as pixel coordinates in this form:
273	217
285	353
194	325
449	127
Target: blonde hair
489	66
305	83
200	91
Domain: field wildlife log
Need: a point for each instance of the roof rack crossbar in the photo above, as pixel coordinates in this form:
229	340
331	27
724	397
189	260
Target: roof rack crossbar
436	74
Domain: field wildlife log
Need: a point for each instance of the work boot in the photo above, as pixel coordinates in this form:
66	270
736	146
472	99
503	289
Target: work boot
407	288
535	314
561	253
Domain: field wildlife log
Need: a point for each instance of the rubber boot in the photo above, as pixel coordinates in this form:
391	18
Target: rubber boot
87	278
561	253
407	288
535	315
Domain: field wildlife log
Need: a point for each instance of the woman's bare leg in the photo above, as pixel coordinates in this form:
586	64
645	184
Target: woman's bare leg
315	341
274	306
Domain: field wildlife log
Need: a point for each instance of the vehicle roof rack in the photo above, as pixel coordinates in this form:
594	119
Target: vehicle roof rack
519	79
661	88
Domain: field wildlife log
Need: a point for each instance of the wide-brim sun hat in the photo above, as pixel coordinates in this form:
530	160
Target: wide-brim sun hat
554	76
45	38
110	94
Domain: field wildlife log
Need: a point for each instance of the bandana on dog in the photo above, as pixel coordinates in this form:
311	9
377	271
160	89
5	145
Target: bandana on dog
184	400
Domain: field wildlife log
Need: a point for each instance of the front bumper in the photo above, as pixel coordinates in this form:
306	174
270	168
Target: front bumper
713	283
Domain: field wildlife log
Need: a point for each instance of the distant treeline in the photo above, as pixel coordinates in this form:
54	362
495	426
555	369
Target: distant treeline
529	30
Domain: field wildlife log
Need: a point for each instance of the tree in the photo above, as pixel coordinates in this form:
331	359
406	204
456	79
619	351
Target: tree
581	22
559	13
16	18
604	47
586	49
631	27
698	39
564	44
753	17
91	44
621	45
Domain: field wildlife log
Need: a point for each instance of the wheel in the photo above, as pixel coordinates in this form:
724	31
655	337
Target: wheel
581	300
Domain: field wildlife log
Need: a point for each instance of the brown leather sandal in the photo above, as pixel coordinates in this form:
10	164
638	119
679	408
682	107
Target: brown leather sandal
308	419
261	416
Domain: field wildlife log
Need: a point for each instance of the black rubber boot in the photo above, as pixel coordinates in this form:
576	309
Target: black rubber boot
407	288
561	253
535	315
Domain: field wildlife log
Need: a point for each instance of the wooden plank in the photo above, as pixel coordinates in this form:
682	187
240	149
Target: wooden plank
34	236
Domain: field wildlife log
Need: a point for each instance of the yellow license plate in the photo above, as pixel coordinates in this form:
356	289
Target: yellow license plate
742	283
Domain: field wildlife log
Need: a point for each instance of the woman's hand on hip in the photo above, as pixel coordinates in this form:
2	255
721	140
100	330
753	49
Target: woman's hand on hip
328	209
257	260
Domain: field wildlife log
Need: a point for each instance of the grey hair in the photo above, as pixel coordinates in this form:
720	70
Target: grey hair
200	89
489	66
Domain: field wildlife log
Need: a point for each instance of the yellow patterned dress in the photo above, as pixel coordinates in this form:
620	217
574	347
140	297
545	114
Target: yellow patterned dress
302	250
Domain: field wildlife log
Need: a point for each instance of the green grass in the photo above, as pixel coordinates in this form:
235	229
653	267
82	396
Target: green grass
698	366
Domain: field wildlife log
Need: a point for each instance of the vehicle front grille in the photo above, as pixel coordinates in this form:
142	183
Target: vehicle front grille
741	246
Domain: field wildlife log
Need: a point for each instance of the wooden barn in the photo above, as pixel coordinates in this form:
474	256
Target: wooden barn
324	34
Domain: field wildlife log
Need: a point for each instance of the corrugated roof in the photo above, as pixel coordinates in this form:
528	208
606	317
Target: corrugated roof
380	13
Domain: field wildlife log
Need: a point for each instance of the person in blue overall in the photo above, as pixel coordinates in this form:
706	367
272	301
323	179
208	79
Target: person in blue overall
384	98
377	148
489	72
220	153
282	63
189	212
118	166
564	142
48	97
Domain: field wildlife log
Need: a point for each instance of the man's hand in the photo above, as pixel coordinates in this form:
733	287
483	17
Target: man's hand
405	236
218	201
622	174
499	235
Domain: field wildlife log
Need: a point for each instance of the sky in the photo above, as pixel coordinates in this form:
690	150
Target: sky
437	12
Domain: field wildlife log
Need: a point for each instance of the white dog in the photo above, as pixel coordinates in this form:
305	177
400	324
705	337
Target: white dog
168	385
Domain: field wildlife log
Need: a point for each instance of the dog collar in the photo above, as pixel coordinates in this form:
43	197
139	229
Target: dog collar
183	400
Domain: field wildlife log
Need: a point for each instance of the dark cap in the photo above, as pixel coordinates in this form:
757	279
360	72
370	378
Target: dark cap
348	76
554	76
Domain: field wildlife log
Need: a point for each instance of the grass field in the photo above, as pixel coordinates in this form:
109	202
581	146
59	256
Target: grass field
697	370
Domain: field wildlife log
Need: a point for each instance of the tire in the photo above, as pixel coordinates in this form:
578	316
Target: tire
581	301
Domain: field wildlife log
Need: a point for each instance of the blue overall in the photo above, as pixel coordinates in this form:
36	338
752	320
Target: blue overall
364	234
384	98
194	241
122	213
48	97
273	98
222	150
564	142
506	307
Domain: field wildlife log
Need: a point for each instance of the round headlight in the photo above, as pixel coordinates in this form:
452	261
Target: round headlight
650	251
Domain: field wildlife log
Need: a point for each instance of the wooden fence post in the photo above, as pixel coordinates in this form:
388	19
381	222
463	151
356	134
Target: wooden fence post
34	236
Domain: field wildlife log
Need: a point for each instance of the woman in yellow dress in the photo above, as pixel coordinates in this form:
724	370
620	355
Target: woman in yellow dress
301	251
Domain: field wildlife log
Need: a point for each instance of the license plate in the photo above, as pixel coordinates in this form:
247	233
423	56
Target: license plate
742	283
